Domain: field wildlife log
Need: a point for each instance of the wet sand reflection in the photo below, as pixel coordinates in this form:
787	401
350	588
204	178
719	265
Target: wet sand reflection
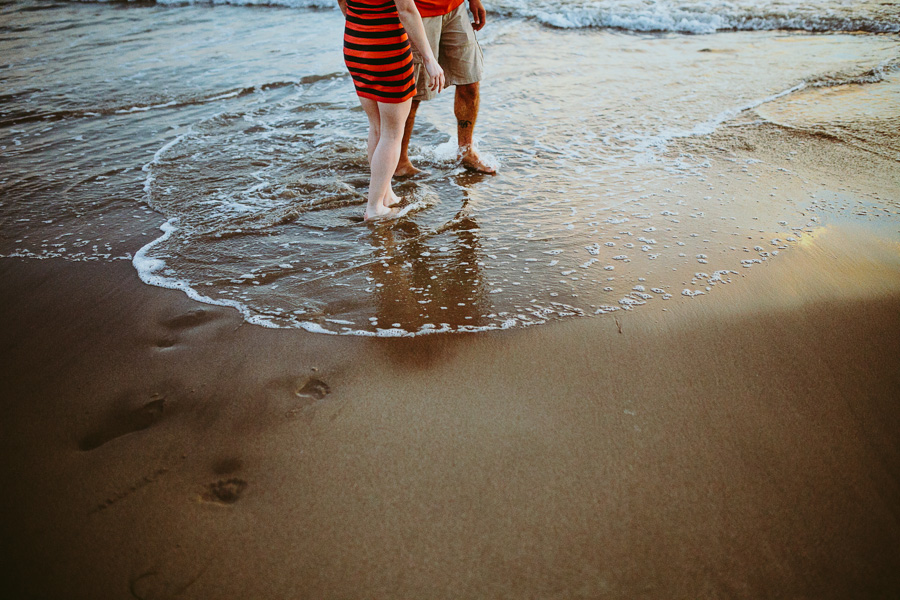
417	288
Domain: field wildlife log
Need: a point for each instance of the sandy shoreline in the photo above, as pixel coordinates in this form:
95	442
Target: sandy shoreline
744	444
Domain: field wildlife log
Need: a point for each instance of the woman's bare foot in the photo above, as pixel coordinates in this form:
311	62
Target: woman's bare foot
406	169
391	199
473	162
380	212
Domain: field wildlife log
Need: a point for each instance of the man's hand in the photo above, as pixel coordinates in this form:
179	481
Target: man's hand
478	14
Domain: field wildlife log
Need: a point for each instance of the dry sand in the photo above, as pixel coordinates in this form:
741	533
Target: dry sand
743	444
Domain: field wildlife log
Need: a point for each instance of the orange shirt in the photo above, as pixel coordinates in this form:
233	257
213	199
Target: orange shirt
436	8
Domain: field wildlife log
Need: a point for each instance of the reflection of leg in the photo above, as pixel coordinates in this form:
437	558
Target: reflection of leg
465	106
386	153
405	168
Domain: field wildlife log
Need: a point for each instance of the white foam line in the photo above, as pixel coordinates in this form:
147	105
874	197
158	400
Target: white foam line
155	160
147	267
426	329
227	95
708	127
148	270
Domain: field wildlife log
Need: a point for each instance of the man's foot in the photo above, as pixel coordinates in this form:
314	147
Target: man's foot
406	169
470	160
381	212
391	199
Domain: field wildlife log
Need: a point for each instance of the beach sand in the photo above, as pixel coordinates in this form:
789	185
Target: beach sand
743	444
740	443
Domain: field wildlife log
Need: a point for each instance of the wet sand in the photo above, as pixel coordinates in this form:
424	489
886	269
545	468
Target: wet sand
743	444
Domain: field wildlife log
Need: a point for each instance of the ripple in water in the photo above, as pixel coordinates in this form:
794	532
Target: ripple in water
264	207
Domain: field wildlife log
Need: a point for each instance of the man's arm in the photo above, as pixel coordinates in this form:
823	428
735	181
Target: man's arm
342	4
478	13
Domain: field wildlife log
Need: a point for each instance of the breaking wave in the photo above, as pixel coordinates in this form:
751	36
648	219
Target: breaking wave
681	16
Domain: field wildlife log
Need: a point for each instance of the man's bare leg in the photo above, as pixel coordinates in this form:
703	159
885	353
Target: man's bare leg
465	106
405	168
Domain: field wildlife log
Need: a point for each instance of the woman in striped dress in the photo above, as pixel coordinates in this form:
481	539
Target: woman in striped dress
378	56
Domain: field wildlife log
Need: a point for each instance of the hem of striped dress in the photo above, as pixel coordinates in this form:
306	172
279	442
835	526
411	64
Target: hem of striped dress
385	100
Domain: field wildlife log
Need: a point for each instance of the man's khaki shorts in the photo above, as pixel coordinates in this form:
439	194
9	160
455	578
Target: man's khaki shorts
454	45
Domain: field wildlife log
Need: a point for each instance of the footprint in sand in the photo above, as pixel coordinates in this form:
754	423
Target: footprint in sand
167	342
126	419
313	388
296	397
191	318
312	391
180	323
225	491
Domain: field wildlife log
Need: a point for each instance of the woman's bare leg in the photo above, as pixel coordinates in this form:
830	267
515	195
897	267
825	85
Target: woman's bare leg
371	109
390	199
386	153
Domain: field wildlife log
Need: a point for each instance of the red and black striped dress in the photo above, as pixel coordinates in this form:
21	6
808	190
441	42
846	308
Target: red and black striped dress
377	52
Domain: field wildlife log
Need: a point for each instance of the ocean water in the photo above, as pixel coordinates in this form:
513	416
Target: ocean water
221	149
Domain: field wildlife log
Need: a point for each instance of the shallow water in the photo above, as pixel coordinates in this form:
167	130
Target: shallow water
239	127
